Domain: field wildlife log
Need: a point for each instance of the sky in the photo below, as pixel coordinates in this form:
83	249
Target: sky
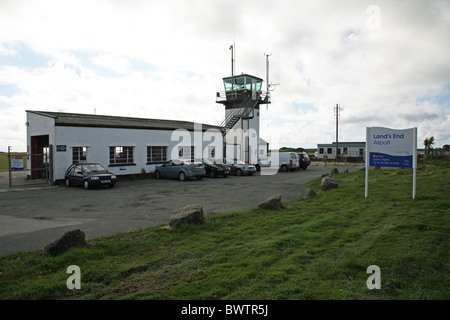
384	63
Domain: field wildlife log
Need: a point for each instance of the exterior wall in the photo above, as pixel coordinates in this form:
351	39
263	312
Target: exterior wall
38	125
237	136
99	140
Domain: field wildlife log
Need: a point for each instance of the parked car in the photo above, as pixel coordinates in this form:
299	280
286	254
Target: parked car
179	169
240	168
304	161
288	161
263	163
214	169
89	175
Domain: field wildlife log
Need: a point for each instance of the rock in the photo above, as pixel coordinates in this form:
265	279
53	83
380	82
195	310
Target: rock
325	175
334	171
271	203
188	214
328	183
310	193
71	239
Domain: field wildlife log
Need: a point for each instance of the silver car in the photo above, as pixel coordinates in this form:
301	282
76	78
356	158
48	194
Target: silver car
181	170
239	167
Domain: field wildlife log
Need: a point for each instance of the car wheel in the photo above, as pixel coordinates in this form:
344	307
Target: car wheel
86	184
68	184
182	176
199	178
158	175
284	169
112	185
239	172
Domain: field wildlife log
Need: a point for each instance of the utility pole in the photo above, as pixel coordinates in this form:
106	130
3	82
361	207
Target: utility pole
337	111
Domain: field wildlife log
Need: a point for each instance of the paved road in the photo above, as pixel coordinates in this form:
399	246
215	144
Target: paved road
30	219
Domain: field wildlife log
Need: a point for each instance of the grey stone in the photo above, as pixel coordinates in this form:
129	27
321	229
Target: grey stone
328	183
71	239
271	203
334	171
188	214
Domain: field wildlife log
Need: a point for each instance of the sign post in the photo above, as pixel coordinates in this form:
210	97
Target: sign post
387	147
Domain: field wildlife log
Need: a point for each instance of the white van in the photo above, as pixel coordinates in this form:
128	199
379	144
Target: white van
288	161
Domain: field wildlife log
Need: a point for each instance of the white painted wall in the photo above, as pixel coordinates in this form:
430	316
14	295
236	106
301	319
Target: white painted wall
99	140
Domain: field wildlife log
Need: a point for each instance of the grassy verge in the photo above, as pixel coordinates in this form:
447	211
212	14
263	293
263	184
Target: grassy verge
314	248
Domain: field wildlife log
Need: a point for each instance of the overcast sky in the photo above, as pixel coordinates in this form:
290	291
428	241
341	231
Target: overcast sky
386	63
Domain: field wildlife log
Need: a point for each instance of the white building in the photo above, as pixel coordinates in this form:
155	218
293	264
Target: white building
123	145
128	146
351	151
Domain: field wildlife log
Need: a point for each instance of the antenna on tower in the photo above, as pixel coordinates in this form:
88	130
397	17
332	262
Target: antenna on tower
268	84
232	47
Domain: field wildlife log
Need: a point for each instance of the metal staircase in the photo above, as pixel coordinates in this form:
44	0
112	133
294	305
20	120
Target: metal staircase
242	111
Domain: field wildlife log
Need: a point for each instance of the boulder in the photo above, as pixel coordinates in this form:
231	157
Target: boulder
71	239
188	214
334	171
328	183
271	203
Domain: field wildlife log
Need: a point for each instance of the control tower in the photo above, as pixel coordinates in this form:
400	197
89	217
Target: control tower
242	99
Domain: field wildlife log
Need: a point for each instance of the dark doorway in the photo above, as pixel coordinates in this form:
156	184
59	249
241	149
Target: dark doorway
39	157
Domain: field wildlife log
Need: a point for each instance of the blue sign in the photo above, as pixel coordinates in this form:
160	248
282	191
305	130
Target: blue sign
385	160
386	147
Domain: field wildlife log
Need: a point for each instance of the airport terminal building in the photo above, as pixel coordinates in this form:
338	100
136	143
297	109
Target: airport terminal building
125	146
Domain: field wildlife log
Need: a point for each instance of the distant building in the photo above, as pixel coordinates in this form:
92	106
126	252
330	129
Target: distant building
350	151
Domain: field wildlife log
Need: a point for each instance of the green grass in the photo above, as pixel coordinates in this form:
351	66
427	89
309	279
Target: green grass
314	248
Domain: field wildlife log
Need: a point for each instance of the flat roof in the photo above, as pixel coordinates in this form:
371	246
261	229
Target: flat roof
103	121
242	75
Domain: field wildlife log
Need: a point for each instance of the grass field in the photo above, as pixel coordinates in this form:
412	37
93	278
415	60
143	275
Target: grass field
4	159
317	247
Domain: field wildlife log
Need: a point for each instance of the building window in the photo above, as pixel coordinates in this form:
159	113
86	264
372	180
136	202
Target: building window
361	152
320	150
345	150
121	155
186	153
79	154
329	150
156	154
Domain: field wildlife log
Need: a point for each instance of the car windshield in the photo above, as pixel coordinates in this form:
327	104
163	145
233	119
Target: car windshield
239	162
207	161
87	168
